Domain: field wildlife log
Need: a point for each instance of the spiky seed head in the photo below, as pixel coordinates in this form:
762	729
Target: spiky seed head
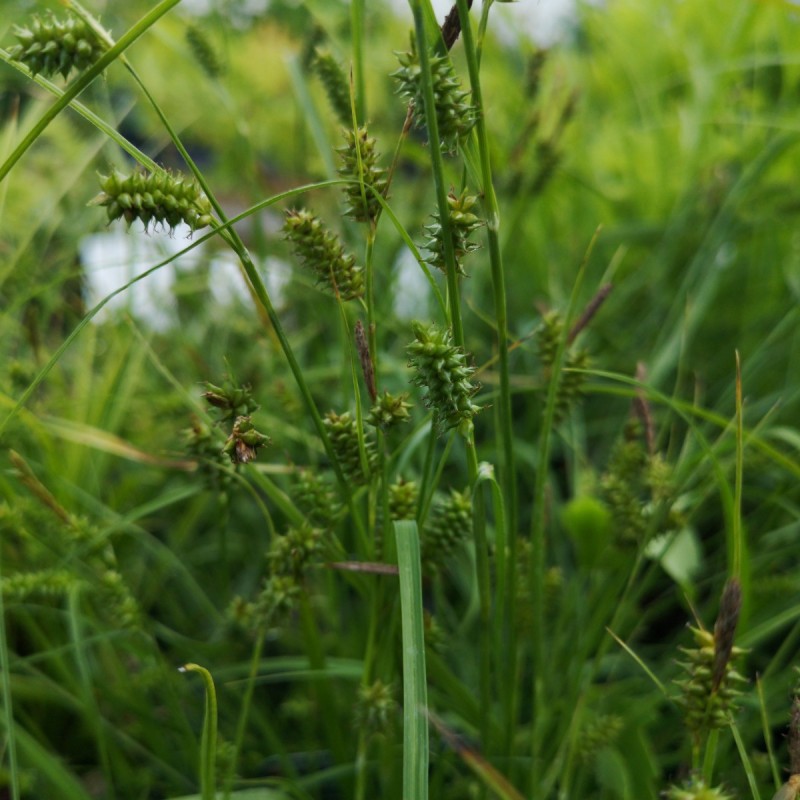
52	46
343	433
441	369
454	114
359	162
389	410
322	253
161	197
244	442
462	222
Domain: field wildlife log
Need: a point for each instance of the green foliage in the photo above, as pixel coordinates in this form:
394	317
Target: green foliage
145	523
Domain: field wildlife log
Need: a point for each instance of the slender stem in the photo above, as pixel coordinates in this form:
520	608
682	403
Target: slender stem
538	525
244	712
505	433
8	710
357	31
454	309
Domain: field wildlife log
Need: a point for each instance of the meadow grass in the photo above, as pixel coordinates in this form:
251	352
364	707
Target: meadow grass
485	485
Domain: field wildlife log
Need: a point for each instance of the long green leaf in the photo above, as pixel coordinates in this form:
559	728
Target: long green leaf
415	700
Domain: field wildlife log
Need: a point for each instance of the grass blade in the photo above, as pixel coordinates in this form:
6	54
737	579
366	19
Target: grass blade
415	702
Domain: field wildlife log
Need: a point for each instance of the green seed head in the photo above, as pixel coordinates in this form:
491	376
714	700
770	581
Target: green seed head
244	442
462	223
335	83
441	368
389	410
403	499
454	114
359	163
343	434
162	198
321	252
449	525
53	46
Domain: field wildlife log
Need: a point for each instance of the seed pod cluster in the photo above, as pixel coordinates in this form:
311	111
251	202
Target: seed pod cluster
389	410
462	223
322	253
705	707
344	439
376	708
403	499
160	197
291	553
571	383
454	114
335	83
244	441
56	46
441	368
363	205
317	498
449	525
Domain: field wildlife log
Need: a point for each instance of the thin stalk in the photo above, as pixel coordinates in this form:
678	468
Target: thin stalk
8	709
244	711
87	687
357	32
505	433
456	324
538	525
208	743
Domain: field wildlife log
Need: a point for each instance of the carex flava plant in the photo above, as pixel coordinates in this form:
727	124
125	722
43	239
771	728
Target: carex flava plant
475	553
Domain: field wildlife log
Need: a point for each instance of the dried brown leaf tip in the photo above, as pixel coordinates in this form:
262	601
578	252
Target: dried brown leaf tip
725	628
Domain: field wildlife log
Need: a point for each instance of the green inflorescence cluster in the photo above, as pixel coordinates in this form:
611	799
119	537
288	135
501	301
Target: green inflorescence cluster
323	254
56	46
160	197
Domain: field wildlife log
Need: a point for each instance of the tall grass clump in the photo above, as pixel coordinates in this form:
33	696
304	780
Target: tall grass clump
435	390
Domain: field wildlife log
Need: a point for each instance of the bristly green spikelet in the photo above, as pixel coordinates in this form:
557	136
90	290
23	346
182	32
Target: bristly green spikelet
441	368
204	52
637	488
160	197
376	709
291	553
695	789
231	400
403	499
323	254
317	498
52	584
454	114
462	223
344	439
571	384
449	525
599	731
709	692
244	441
363	205
389	410
50	46
335	83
